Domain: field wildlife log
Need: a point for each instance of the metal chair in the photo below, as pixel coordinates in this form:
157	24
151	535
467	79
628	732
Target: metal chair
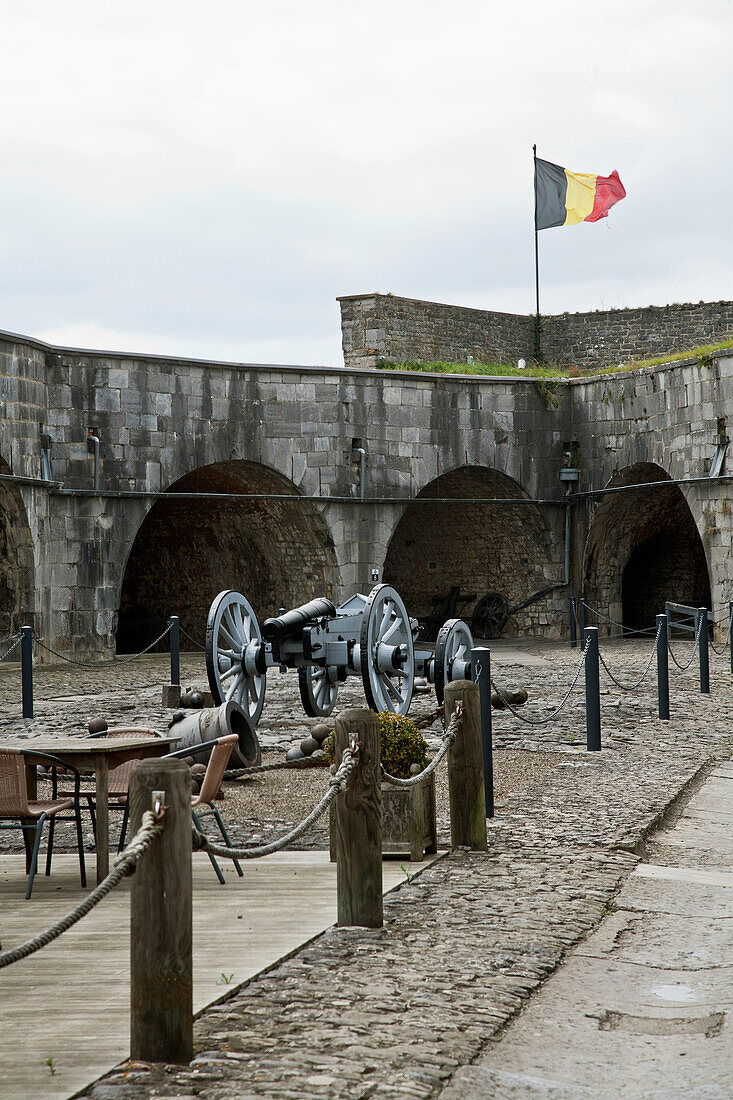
210	784
221	750
119	779
33	814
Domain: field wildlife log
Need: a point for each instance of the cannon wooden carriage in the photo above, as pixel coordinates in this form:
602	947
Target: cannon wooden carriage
369	636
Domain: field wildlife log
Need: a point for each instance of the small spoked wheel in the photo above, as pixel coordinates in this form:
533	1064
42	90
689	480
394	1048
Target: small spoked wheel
234	649
386	651
452	655
318	689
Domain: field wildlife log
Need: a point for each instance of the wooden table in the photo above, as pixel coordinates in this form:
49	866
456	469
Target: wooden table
98	754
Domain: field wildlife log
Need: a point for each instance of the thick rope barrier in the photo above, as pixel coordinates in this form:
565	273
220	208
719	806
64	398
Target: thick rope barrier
683	668
125	864
448	738
556	711
102	664
336	784
645	673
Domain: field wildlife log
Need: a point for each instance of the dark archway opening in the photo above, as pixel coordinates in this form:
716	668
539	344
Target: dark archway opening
475	550
643	550
664	567
276	552
16	560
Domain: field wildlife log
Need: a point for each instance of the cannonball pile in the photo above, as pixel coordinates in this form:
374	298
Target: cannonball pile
312	745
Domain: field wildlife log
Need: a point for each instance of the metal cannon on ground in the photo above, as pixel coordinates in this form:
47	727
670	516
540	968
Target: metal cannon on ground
369	636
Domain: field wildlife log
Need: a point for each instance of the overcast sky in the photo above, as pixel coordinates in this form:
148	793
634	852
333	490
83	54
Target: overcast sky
204	179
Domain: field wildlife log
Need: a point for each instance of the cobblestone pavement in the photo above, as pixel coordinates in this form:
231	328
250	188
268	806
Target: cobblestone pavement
395	1012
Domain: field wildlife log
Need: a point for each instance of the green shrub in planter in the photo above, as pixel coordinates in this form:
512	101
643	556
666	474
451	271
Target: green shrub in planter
402	745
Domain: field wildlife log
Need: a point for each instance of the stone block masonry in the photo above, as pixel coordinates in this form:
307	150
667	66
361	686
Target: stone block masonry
80	565
383	326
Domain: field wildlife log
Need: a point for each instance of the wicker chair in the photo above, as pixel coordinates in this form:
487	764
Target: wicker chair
221	750
32	815
119	779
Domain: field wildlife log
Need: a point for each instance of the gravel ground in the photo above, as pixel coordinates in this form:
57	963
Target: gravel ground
256	807
393	1012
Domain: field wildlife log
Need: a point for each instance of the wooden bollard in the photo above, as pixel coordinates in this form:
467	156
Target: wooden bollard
161	941
466	769
359	823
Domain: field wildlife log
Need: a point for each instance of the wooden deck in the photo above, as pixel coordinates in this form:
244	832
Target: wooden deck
70	1001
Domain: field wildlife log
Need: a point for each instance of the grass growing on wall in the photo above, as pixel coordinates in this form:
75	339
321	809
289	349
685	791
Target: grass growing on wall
701	353
535	371
493	370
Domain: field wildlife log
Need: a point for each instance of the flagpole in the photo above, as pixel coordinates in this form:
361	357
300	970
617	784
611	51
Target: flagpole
537	343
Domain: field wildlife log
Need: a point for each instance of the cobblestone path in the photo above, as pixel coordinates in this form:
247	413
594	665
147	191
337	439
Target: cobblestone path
394	1012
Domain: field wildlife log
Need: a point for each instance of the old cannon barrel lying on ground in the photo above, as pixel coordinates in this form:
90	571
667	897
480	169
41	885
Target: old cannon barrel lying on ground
369	636
203	726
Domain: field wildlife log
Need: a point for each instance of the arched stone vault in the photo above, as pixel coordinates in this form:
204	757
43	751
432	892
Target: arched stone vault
16	560
186	551
481	548
643	548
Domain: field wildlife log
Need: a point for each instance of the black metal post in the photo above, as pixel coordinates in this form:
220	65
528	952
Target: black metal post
481	674
662	668
581	615
702	626
573	624
26	670
175	650
592	691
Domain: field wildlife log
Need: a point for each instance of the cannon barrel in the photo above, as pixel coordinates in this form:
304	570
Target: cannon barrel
292	622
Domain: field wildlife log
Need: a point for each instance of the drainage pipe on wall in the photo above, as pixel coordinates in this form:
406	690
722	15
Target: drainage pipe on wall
361	452
93	448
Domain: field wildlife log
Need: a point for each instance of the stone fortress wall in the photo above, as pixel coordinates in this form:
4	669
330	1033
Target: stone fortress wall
387	327
268	456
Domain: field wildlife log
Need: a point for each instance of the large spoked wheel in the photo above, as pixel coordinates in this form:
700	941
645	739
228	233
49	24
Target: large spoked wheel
318	689
490	615
452	655
233	654
386	651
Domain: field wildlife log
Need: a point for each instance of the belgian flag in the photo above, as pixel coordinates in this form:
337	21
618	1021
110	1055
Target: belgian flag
566	198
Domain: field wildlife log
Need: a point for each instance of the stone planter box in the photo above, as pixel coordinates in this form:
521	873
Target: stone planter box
408	821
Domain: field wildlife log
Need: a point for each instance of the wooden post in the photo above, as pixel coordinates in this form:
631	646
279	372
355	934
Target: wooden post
161	943
466	769
359	823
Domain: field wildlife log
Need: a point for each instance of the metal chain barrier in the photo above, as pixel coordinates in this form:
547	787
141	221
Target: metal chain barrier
627	629
448	738
336	784
125	864
16	643
102	664
556	711
642	678
683	668
195	641
725	644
